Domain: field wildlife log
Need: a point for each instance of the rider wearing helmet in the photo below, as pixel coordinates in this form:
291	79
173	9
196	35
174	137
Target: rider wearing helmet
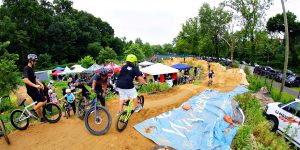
33	85
99	84
125	85
50	85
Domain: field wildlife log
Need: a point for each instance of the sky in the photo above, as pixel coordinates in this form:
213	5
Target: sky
156	21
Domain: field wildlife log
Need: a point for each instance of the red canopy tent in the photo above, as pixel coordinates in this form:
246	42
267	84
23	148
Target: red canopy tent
56	72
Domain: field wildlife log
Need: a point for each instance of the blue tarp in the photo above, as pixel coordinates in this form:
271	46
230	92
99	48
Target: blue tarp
181	67
201	127
59	68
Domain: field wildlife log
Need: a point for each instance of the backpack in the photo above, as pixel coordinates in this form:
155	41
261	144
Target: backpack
91	80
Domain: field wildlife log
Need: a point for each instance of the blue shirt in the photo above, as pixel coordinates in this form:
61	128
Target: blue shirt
69	98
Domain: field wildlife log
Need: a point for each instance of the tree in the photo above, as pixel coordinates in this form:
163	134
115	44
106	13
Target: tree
252	12
147	50
8	70
135	49
45	61
106	54
87	61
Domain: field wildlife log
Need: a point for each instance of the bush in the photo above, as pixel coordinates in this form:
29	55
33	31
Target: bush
255	83
153	87
247	70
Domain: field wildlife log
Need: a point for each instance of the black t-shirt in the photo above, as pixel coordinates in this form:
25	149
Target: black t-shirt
29	73
126	76
99	82
83	88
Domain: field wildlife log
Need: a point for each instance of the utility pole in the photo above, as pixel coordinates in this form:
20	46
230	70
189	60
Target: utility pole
286	54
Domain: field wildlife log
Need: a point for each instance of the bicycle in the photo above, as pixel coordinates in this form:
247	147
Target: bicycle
210	81
83	104
128	110
20	118
66	107
98	115
2	128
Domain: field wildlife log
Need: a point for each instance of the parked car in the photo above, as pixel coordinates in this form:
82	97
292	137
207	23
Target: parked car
278	76
257	70
285	118
292	81
266	71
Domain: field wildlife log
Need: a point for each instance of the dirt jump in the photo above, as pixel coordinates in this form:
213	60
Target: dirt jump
72	134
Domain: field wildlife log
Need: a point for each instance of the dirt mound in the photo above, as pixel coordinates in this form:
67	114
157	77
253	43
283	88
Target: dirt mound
72	134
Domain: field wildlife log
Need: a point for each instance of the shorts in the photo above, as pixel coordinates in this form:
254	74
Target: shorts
36	96
127	93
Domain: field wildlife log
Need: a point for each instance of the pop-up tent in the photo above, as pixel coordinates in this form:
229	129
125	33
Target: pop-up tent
77	69
92	69
66	71
158	69
181	67
111	67
56	72
145	63
59	68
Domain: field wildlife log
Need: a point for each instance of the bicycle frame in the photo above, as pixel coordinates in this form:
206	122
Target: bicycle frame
28	112
97	118
129	110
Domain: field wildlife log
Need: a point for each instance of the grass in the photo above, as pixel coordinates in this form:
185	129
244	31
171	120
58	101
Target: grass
297	89
255	133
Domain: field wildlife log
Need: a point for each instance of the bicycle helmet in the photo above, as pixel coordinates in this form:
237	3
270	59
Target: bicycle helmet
77	81
131	58
32	57
68	90
103	72
51	81
50	91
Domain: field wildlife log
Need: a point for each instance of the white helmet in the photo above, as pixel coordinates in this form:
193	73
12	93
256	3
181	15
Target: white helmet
50	91
68	90
51	81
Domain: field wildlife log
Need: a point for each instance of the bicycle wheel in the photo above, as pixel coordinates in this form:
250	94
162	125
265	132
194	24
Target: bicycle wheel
3	131
162	147
122	121
81	109
99	125
19	120
52	112
141	100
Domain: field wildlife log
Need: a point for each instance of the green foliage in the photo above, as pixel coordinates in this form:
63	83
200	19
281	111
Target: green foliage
10	77
136	50
284	98
257	126
255	83
44	61
153	87
247	70
87	61
105	54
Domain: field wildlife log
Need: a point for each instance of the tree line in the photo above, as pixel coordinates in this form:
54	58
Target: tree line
60	34
238	29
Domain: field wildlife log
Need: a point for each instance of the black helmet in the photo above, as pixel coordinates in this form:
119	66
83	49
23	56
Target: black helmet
32	57
103	72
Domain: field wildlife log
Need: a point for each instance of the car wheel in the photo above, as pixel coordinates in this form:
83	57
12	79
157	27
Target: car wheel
273	122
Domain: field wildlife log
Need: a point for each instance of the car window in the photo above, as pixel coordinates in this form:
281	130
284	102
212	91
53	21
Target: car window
293	108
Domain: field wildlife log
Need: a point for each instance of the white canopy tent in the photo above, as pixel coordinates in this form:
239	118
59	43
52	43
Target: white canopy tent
158	69
77	69
66	71
145	63
92	69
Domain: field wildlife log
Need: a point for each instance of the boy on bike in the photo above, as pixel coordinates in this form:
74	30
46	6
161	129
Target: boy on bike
99	84
210	74
33	85
125	85
70	99
82	89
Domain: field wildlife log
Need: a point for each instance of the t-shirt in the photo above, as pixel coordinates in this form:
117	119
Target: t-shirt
53	98
69	98
83	88
29	73
99	81
126	76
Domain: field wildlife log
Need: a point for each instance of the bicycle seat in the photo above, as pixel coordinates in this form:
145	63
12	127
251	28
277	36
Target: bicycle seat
22	103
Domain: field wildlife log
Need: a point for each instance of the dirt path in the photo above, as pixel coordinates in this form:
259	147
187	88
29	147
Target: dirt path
72	134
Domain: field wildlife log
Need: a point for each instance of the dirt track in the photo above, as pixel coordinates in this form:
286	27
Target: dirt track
72	134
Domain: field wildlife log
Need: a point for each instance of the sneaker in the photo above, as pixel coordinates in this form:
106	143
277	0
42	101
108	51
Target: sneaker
43	120
138	108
